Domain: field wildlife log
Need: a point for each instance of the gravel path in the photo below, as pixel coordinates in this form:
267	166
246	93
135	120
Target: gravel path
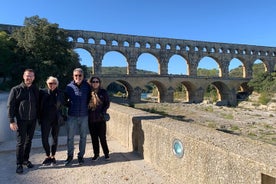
124	167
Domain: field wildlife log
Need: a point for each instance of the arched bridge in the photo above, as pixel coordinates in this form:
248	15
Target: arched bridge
166	84
132	46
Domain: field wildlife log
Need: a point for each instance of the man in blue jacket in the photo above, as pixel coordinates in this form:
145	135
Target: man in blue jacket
78	96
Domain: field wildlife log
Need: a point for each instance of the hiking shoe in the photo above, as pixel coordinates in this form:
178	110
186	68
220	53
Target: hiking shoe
81	161
19	169
68	160
47	161
28	164
53	161
106	157
95	158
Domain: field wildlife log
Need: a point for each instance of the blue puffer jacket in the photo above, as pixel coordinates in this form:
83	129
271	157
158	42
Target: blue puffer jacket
78	98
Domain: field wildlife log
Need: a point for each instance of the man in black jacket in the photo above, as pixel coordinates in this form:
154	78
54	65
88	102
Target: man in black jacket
22	113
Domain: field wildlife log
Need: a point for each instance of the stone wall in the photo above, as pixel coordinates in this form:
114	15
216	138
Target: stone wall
209	156
5	131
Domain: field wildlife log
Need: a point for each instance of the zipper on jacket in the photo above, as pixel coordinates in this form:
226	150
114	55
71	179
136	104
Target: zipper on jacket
30	103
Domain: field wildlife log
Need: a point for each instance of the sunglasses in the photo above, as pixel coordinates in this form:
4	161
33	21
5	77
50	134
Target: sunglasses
95	81
77	75
51	83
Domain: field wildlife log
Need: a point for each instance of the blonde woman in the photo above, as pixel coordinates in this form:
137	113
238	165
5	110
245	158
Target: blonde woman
51	104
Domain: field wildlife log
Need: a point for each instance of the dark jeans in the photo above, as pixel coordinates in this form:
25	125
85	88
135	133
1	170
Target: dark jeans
98	131
24	135
47	127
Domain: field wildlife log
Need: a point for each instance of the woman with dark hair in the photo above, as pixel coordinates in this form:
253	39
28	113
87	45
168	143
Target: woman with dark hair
98	105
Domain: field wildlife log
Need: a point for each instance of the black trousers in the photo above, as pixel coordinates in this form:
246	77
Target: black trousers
24	135
48	126
98	132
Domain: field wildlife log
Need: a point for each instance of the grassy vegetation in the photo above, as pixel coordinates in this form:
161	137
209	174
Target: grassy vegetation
227	116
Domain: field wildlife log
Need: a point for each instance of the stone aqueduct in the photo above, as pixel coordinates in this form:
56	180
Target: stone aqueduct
132	46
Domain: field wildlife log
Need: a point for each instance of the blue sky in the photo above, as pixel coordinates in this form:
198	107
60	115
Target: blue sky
236	21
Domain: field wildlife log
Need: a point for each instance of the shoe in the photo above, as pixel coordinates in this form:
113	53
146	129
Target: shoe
19	169
47	161
54	162
28	164
106	157
68	160
81	161
95	158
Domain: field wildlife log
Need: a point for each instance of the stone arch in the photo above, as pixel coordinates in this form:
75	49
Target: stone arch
244	87
210	62
235	68
137	44
85	54
103	42
143	62
114	43
110	56
91	41
176	62
128	87
162	90
223	93
191	91
71	39
259	64
158	46
80	40
126	44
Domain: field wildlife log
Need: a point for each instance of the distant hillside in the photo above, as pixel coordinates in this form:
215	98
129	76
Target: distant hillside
237	72
120	70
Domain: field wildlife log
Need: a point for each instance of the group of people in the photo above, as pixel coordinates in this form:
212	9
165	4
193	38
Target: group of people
84	102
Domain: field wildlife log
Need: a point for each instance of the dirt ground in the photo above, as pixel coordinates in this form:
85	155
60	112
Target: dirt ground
253	123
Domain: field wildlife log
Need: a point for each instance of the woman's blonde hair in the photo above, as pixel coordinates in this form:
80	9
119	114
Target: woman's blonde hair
51	78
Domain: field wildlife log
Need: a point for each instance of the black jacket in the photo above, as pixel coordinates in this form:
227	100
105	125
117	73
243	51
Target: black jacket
23	103
50	104
97	114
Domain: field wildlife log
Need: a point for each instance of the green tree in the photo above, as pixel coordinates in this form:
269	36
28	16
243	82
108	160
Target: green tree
7	54
262	82
47	50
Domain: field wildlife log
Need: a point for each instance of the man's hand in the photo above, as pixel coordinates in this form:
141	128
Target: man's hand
13	126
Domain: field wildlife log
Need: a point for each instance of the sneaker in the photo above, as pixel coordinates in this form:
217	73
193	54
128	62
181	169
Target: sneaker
54	162
81	161
95	158
28	164
106	157
68	160
19	169
47	161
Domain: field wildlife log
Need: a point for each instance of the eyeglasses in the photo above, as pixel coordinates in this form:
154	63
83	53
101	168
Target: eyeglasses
95	81
78	75
52	83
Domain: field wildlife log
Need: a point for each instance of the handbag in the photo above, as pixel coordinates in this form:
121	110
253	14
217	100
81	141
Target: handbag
62	115
61	120
106	117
